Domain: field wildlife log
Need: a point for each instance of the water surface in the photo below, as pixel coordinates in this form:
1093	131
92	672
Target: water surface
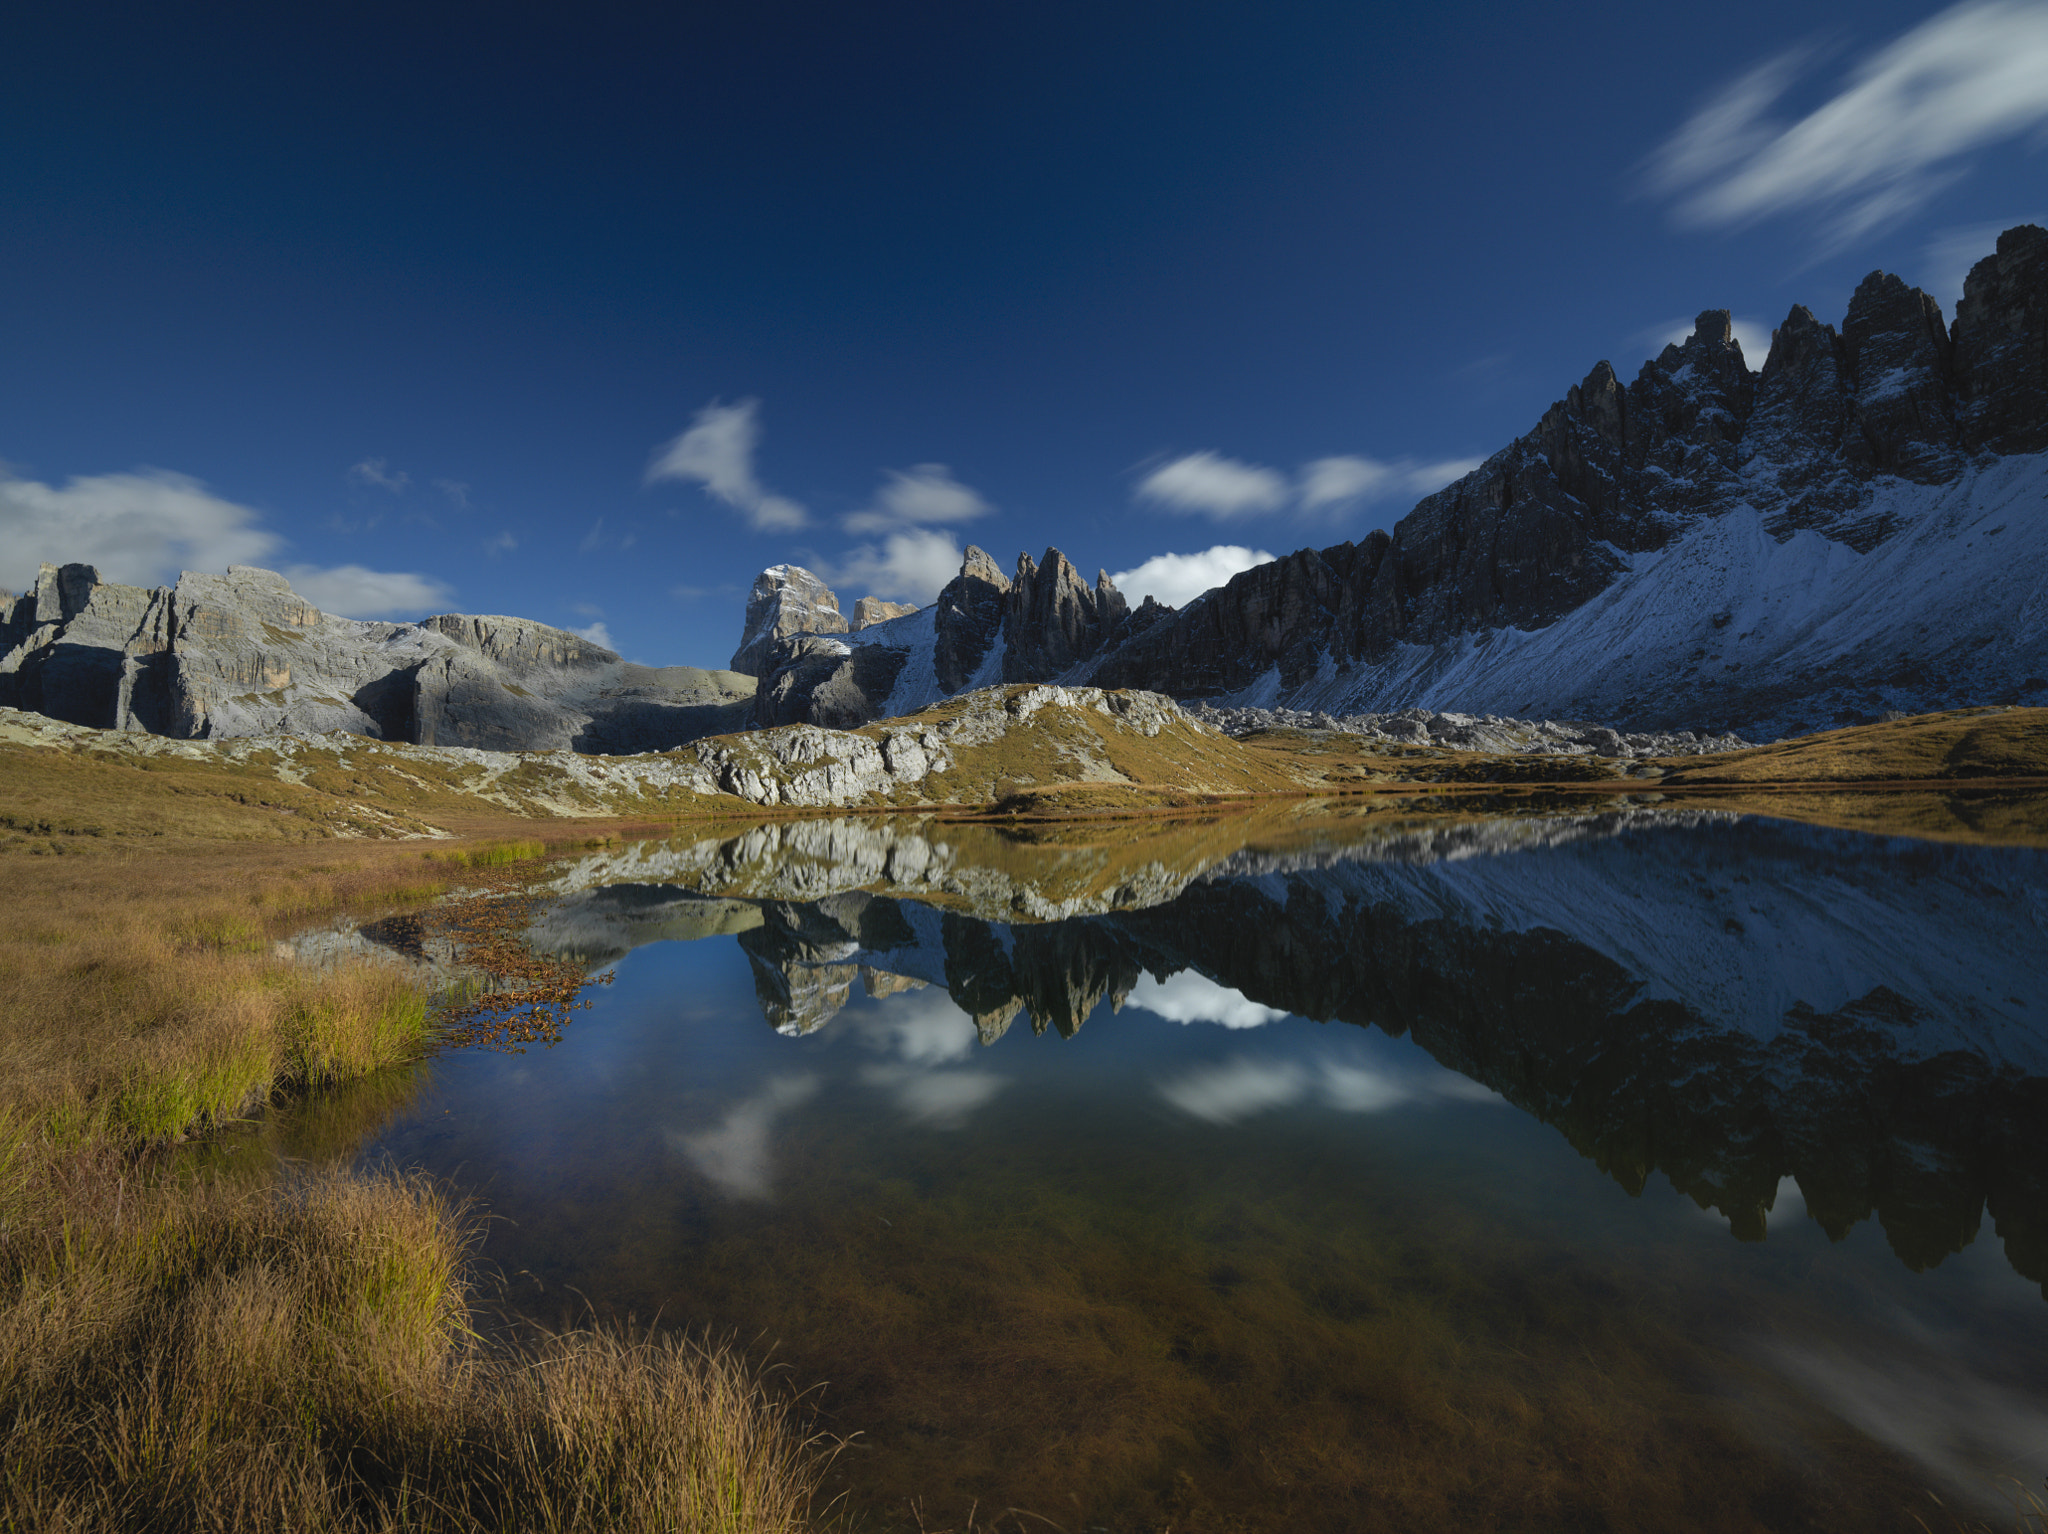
1632	1170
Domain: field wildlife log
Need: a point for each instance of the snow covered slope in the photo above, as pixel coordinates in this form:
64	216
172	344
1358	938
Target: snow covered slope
1728	625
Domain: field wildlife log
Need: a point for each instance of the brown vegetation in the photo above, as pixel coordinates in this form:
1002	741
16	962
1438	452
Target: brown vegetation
295	1355
299	1358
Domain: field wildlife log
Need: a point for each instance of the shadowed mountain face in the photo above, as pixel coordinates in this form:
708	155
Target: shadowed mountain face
1726	1002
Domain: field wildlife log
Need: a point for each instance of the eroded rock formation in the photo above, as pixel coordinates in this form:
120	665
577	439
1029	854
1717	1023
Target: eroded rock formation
221	656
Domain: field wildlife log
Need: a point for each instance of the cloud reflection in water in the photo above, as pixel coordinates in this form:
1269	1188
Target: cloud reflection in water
738	1155
1192	997
1239	1088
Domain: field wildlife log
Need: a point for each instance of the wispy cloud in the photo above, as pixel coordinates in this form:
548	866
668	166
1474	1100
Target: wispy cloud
1177	579
717	452
139	528
924	494
500	542
1237	1089
1901	126
376	474
738	1155
353	591
143	528
456	491
1228	489
907	566
1208	484
598	538
1350	479
597	634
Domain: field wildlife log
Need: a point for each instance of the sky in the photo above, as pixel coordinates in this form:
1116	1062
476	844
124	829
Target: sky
587	314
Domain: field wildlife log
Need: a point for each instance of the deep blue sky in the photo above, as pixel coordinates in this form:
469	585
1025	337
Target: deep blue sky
426	291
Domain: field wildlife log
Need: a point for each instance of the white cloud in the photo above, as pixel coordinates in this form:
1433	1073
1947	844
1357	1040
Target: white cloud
920	1028
1225	1093
501	542
1896	132
1349	477
917	496
139	528
1953	251
1751	334
738	1156
351	591
717	452
935	1099
1210	485
1192	997
456	491
376	474
597	634
910	566
143	528
1177	579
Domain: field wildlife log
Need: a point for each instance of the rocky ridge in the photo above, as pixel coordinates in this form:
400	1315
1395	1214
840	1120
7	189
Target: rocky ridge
241	654
1706	548
1471	732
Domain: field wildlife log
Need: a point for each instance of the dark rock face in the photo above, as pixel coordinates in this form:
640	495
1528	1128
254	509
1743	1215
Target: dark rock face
1611	471
815	679
969	619
2001	346
243	654
785	600
1267	616
1053	620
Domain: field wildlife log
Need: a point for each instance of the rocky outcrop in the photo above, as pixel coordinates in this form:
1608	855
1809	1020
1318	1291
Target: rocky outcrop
1053	620
785	600
816	679
2000	361
969	620
869	611
242	654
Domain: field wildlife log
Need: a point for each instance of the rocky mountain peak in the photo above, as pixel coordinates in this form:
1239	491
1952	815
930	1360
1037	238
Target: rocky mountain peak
2001	346
785	600
1053	619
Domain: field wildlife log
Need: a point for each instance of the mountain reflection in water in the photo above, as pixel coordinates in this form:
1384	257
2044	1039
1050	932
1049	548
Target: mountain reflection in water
1222	1261
1729	1002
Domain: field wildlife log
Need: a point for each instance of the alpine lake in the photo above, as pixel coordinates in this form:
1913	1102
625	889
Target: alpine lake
1605	1165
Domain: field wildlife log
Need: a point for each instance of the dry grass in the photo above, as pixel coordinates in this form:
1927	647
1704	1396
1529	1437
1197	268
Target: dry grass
189	1356
203	1358
1957	744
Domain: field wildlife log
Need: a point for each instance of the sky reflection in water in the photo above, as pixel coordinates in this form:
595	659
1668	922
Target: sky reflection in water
1214	1220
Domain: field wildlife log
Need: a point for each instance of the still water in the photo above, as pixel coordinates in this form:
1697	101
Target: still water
1637	1170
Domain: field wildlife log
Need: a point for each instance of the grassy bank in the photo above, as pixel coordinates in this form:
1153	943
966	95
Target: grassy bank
297	1355
210	1358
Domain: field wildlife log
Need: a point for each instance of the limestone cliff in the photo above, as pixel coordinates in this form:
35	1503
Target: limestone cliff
240	654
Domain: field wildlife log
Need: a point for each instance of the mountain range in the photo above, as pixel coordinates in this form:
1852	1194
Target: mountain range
1858	529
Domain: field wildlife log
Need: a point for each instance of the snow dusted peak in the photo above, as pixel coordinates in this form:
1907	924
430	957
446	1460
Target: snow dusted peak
786	599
